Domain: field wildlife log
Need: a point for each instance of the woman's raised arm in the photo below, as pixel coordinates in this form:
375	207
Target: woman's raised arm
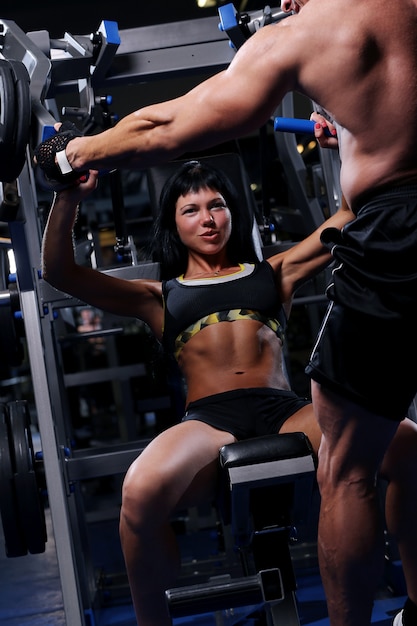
306	259
133	298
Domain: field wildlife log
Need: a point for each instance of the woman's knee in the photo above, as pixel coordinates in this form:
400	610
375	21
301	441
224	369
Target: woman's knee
144	501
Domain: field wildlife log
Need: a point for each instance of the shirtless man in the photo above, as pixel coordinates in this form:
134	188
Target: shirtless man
359	62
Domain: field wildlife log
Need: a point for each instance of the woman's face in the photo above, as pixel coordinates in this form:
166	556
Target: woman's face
203	221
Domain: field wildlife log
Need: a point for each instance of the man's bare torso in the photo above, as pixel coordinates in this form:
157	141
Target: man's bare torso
364	73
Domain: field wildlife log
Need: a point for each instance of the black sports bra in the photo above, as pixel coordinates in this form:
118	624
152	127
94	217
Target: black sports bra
192	305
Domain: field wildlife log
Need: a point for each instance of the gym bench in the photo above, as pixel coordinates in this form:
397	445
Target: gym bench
266	491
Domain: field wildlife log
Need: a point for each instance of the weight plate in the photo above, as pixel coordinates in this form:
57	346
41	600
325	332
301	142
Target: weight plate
15	114
15	544
7	110
11	348
29	503
23	115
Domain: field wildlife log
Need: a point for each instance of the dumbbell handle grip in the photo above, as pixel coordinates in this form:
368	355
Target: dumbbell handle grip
295	125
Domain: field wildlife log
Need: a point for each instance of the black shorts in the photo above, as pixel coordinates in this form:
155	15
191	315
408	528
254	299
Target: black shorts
368	340
246	413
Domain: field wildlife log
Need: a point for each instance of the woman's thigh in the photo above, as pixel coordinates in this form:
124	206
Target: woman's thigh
304	421
180	466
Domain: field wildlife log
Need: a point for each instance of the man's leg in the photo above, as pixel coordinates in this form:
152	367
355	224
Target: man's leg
400	469
350	541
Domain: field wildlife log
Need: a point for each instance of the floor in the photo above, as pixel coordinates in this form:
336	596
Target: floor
30	595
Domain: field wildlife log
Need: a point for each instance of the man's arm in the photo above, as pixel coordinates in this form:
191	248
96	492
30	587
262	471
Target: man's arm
278	58
228	105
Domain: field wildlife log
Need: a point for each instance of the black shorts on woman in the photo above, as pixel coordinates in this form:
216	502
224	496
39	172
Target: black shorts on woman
367	345
246	413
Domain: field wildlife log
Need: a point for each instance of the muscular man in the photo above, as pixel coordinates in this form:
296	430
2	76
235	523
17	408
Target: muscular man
359	62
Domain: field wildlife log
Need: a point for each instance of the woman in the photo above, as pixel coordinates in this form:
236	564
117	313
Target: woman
221	313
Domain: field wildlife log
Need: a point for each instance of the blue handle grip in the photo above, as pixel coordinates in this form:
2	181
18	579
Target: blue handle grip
294	125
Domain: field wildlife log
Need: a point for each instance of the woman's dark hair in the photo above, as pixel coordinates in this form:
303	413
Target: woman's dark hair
167	248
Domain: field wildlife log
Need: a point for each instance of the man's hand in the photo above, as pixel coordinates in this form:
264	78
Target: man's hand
54	170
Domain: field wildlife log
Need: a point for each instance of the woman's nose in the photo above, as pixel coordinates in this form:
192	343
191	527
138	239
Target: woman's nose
208	218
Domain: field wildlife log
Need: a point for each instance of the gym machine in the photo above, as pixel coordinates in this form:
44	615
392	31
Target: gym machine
269	483
38	76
